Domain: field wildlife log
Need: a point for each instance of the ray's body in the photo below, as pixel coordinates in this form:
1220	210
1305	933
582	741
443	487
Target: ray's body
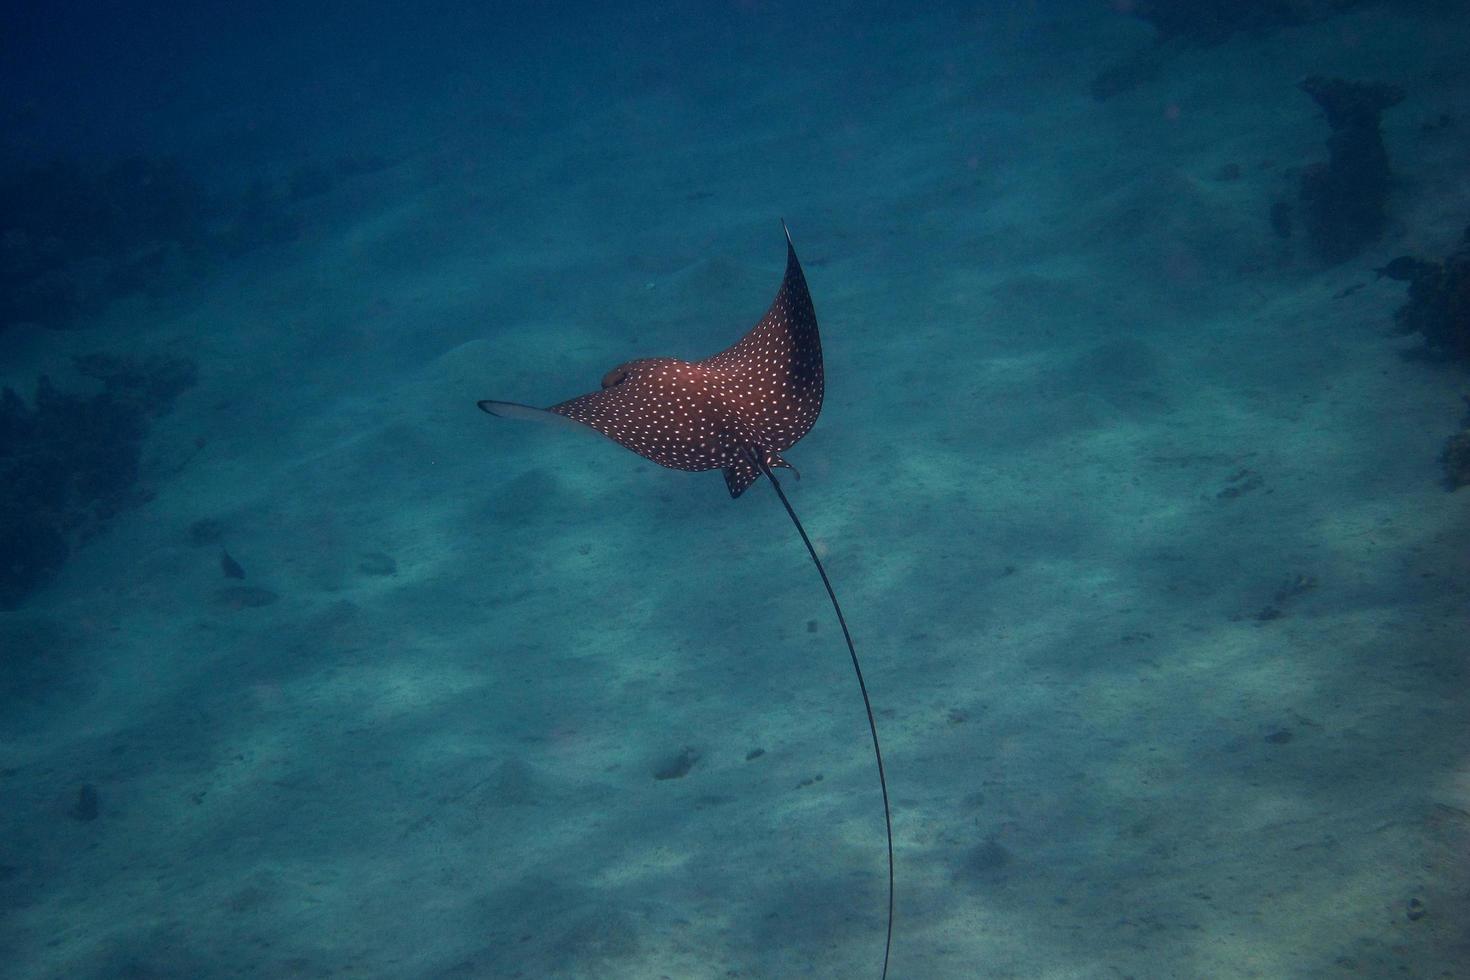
735	412
762	394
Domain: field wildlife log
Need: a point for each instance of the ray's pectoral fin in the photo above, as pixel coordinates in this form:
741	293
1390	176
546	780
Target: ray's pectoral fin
514	410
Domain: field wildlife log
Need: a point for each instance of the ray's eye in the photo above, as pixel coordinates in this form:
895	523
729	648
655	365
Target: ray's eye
616	376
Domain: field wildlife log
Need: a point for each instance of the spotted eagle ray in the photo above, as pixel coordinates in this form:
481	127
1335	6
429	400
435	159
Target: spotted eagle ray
735	412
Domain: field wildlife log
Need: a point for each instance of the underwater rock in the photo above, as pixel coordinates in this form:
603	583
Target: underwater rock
1281	219
1132	72
1405	268
262	221
1456	456
39	666
205	531
244	597
984	864
309	180
75	237
1438	310
33	553
1183	24
513	784
88	804
1457	460
678	766
1297	585
1210	22
229	566
70	463
1439	301
1344	201
377	563
149	385
1240	483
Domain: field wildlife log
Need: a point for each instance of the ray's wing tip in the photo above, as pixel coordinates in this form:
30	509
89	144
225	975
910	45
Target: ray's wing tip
515	410
530	413
791	260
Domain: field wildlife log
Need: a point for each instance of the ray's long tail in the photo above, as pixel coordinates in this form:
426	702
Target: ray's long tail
862	686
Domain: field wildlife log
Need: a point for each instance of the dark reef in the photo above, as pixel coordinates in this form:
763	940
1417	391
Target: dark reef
1456	456
1438	311
74	238
71	241
1208	22
69	463
88	805
1344	201
1281	219
1134	71
1439	301
1203	23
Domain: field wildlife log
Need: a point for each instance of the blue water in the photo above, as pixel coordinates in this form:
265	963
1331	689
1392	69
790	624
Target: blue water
1137	498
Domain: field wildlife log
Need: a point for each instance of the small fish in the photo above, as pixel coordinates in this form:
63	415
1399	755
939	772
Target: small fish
230	566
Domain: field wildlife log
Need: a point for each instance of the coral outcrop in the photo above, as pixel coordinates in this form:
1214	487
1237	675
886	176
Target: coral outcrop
69	463
73	237
1438	309
1209	22
70	240
1182	24
1456	458
1344	201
